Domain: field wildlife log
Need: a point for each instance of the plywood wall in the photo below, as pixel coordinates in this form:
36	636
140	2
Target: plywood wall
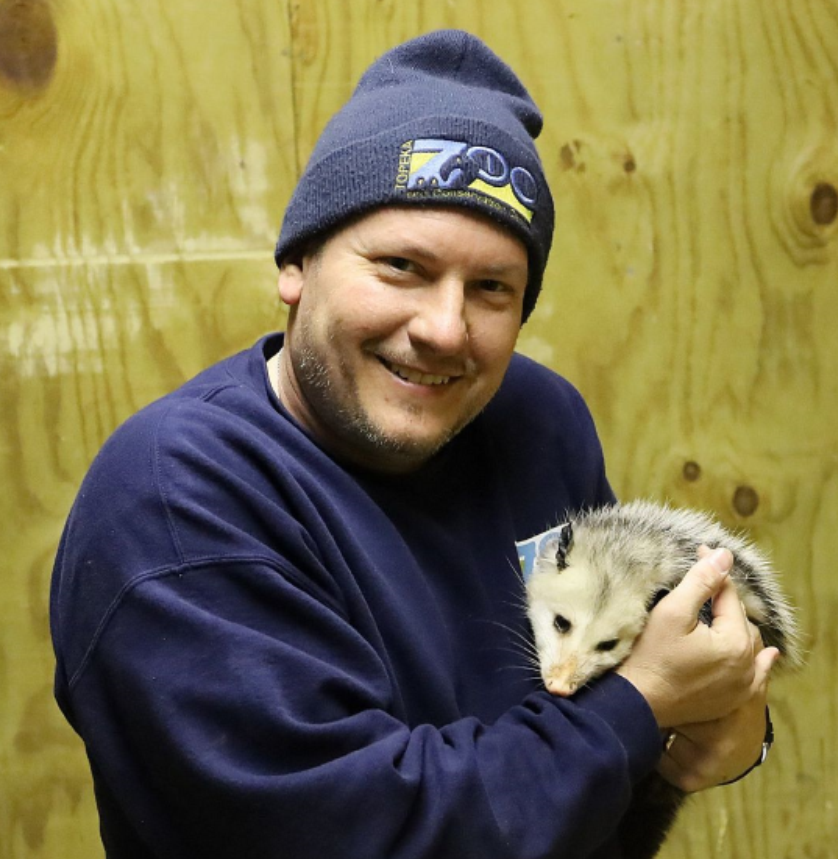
147	149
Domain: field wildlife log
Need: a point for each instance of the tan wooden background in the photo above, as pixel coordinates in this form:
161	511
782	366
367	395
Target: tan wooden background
147	148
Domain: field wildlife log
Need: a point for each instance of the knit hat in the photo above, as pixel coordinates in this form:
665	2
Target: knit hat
442	121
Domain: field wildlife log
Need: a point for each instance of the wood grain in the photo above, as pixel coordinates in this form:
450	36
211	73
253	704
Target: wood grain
143	180
692	298
147	150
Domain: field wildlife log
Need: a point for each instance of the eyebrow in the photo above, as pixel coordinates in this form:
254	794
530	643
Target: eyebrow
502	269
409	250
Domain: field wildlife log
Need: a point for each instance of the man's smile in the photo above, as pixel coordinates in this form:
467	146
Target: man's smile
416	377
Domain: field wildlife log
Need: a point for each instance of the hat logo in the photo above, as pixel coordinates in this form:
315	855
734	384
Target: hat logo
453	168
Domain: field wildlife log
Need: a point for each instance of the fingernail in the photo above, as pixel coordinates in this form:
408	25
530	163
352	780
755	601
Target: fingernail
720	559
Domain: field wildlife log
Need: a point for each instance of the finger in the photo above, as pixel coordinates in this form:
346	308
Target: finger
701	583
683	764
764	662
728	610
669	769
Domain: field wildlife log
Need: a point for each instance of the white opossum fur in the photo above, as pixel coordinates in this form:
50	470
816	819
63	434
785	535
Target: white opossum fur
594	583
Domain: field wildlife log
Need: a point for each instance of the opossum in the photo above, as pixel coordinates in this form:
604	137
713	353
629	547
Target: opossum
596	578
594	582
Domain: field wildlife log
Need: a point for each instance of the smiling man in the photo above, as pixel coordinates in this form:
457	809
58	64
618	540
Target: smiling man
287	607
402	328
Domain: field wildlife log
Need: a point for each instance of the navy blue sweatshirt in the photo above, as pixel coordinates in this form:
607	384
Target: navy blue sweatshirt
269	654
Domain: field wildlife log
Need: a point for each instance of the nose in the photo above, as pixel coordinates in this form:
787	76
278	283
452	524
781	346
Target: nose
562	679
561	688
439	318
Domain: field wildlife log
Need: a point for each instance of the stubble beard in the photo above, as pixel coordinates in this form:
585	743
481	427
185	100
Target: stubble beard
345	417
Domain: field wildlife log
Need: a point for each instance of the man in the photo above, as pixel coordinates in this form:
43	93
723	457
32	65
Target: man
286	609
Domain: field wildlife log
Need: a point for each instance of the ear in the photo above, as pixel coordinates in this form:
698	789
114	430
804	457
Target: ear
290	283
558	545
565	544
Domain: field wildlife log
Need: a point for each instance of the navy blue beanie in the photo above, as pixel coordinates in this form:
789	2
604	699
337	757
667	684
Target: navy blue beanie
440	120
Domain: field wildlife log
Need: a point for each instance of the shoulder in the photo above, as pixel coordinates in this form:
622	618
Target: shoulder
189	448
222	403
126	462
546	446
536	401
208	476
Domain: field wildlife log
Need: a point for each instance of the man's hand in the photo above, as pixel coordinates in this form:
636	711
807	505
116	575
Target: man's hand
704	754
692	673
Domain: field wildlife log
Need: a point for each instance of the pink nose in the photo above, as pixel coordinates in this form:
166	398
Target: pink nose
561	679
561	687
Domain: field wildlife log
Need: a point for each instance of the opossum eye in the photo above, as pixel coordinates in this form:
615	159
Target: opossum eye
605	646
562	624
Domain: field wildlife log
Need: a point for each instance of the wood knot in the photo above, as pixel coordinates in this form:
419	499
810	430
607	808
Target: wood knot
745	500
811	216
823	203
28	43
569	156
691	471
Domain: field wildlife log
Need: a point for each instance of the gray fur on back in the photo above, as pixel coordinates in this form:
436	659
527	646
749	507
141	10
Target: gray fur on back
648	545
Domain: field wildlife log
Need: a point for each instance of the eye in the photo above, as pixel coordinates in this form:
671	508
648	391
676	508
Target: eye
398	263
562	624
605	646
492	286
497	293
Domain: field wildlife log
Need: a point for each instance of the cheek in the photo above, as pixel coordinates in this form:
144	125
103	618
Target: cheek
344	326
340	293
372	314
493	343
595	664
614	657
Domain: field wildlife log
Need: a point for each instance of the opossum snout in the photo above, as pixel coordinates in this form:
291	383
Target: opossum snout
562	679
563	690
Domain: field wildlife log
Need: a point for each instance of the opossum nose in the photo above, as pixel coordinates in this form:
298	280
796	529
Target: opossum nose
561	679
560	687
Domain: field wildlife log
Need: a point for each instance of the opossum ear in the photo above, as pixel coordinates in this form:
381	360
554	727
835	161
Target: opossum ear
564	545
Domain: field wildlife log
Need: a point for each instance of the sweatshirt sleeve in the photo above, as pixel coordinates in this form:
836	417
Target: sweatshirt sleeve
230	711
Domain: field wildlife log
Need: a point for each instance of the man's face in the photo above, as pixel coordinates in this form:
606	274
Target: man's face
402	327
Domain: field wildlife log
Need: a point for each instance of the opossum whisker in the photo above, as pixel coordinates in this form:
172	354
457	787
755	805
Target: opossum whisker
518	642
520	648
530	672
518	634
519	603
516	569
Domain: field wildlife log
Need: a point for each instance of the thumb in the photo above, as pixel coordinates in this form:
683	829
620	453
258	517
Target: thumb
701	582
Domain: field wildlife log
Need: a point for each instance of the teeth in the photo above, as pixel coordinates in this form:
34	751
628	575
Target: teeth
416	377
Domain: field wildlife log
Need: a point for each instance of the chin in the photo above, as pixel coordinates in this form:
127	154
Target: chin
400	453
396	449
